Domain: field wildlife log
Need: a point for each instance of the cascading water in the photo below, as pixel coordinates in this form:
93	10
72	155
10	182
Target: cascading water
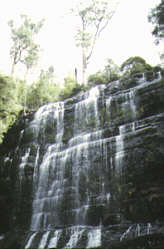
119	148
23	163
46	194
64	174
127	106
81	148
137	230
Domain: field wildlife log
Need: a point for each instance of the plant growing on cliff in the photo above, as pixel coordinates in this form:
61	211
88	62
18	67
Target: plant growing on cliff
134	65
97	78
71	87
94	16
112	70
110	73
24	49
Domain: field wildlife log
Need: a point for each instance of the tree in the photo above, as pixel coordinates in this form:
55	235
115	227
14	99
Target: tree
94	17
134	64
71	86
112	70
9	103
31	59
24	49
43	91
110	73
47	75
157	18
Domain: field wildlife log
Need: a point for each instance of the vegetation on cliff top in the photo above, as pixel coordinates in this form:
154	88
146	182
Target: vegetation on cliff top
16	95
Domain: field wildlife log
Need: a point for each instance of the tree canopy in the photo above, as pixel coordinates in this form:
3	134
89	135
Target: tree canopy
157	18
110	73
94	16
9	103
134	65
24	49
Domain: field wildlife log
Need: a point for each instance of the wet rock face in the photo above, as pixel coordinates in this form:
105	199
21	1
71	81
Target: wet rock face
86	172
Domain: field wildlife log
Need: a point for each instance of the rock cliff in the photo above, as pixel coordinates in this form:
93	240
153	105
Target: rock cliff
87	172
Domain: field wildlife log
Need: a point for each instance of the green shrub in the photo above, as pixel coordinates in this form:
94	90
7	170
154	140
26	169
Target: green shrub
134	65
40	93
111	72
71	87
97	79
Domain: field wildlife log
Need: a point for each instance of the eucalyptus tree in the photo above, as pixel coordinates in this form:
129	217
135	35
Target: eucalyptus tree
31	58
24	49
94	17
157	18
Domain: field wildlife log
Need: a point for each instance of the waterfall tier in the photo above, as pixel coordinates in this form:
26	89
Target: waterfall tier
88	171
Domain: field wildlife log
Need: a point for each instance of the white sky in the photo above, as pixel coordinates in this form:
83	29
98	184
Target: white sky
128	34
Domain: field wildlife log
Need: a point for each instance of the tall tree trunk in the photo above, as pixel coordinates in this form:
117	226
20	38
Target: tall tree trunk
26	73
12	68
84	65
25	99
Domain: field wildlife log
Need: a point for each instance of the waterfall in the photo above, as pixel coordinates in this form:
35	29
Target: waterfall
54	239
119	148
126	233
149	227
108	107
127	106
76	235
45	195
43	241
59	178
86	112
31	239
23	163
67	181
159	75
81	148
137	230
94	238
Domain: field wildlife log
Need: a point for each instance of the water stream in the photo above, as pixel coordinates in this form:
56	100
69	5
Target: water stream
72	179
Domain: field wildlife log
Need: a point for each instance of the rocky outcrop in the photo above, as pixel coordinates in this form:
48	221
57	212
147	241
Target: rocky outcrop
87	172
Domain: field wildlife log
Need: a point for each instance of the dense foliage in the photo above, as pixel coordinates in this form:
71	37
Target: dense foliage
17	95
157	18
9	103
71	87
111	72
43	91
134	65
